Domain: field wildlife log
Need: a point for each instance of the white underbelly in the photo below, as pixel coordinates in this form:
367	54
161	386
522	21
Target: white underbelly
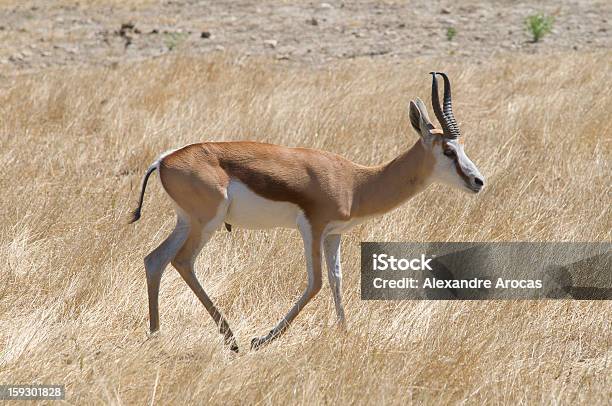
249	210
341	227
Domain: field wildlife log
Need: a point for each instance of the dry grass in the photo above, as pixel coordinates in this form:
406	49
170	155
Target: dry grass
73	148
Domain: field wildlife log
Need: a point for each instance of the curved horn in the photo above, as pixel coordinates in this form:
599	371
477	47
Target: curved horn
435	102
448	108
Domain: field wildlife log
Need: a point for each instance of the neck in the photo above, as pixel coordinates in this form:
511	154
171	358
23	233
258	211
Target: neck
383	188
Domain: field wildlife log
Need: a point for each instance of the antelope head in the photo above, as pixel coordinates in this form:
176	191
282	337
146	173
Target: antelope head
452	165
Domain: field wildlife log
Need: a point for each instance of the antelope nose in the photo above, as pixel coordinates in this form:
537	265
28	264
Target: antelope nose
477	184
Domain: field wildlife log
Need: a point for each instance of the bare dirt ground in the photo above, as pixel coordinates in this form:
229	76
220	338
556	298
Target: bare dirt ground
39	34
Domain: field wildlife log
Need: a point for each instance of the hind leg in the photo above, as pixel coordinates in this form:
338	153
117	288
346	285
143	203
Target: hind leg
184	261
157	261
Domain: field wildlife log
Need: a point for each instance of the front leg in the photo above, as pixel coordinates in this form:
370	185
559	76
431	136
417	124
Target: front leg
334	273
312	249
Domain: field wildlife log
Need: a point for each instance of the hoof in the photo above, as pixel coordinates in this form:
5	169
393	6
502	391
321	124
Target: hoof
231	342
152	334
257	342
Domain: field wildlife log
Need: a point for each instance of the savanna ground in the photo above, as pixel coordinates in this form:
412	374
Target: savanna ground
75	141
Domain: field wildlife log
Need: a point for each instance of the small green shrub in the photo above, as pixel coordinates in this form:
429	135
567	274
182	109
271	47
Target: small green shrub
173	39
450	33
539	25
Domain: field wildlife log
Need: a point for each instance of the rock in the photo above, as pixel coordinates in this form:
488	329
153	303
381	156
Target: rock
205	34
286	50
312	21
127	26
270	43
445	10
325	6
220	48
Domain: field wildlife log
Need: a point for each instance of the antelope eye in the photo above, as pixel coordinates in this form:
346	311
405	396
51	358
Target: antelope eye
449	153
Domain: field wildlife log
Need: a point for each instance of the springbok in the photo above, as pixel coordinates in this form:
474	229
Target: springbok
256	186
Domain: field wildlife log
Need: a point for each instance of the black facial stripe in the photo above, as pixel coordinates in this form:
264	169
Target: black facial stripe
460	172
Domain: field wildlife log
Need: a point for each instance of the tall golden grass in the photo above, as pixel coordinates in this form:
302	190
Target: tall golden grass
75	143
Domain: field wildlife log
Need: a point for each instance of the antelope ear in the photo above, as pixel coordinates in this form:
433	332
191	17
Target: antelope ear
419	118
415	117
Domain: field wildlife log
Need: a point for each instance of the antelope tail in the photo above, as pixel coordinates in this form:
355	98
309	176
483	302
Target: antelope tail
137	211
